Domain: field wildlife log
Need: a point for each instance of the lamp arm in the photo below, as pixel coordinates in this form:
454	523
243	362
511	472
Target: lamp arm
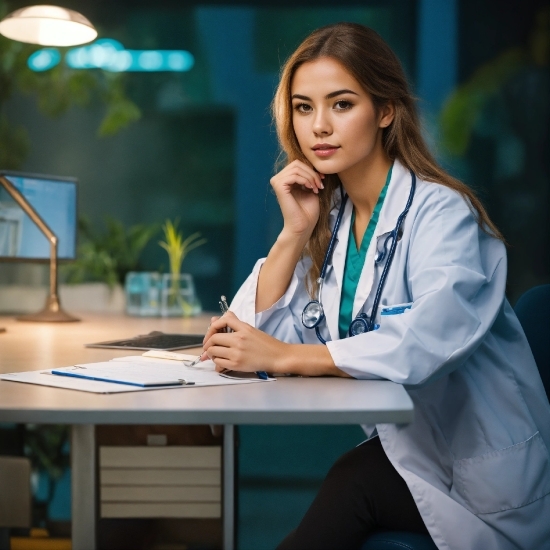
32	213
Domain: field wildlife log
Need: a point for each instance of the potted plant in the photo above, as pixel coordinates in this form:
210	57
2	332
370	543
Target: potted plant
178	296
103	261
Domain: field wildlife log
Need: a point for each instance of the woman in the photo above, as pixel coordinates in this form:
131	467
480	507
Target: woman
472	469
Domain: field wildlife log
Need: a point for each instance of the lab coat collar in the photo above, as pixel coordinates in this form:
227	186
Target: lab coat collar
394	203
396	199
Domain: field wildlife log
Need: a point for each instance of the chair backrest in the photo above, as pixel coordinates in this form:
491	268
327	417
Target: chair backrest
15	492
533	311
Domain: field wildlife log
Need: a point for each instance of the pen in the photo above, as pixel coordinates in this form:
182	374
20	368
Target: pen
225	308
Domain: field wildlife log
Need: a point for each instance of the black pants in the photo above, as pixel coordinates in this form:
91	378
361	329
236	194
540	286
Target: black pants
362	492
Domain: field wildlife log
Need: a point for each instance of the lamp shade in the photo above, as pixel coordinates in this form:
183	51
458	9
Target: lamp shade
48	26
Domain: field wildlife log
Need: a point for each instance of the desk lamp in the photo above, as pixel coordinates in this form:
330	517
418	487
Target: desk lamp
52	311
47	26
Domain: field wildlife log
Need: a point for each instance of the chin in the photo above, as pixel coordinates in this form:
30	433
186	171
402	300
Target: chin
328	166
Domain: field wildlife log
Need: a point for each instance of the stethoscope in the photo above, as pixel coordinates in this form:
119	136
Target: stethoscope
313	314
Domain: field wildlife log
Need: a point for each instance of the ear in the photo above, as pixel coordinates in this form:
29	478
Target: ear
387	114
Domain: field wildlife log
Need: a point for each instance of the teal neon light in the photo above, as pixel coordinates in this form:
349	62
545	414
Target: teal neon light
110	55
43	60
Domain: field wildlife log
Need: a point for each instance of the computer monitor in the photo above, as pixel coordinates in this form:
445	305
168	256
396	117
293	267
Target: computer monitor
55	200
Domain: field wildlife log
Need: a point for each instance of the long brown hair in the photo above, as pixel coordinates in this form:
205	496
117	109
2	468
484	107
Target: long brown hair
374	65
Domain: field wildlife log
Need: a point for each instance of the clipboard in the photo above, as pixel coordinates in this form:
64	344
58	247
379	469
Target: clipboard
106	372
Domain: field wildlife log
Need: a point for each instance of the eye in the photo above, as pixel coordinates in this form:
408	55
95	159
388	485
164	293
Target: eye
302	108
343	105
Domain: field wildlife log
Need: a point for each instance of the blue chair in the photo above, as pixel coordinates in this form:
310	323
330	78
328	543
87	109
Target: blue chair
533	311
398	540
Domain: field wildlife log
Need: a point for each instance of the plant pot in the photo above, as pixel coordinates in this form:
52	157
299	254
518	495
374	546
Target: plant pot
143	293
178	296
93	297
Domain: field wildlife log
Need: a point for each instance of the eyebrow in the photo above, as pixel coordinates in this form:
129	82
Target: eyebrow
329	96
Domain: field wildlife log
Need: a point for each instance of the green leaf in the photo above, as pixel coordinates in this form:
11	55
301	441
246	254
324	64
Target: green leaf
176	246
108	256
463	108
120	114
14	145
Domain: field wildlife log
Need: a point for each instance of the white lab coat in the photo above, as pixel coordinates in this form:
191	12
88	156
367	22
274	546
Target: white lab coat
476	456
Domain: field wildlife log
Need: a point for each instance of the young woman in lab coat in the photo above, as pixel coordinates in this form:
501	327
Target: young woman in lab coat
472	469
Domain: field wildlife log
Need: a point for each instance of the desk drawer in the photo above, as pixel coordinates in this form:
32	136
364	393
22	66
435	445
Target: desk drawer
160	457
154	482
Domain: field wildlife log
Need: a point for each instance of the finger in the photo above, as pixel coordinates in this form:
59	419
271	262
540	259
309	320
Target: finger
210	330
219	339
299	169
213	319
219	325
219	352
299	179
311	172
233	322
223	365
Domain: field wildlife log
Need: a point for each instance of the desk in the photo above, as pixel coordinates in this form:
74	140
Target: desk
29	346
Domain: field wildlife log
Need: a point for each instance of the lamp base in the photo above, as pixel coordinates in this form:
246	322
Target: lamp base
46	316
52	313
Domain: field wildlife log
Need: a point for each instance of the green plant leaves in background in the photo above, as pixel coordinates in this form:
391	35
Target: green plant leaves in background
463	108
176	246
120	113
108	256
56	90
14	145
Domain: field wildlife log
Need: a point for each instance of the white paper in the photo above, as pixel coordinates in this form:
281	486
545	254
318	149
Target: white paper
128	373
203	376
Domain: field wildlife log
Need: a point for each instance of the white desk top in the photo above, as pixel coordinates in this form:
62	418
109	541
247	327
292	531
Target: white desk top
30	346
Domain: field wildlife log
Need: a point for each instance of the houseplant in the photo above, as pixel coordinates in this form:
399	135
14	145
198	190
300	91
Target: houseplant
94	280
178	295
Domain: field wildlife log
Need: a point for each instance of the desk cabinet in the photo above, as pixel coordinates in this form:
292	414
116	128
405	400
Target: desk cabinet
158	487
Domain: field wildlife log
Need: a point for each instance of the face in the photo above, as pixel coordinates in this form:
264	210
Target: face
334	119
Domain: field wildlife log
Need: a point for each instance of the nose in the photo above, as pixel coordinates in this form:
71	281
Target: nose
321	123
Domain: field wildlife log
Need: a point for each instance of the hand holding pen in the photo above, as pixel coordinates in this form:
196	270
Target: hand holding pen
224	309
228	350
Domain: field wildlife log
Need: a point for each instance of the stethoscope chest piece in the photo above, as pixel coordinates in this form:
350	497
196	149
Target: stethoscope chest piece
359	325
313	314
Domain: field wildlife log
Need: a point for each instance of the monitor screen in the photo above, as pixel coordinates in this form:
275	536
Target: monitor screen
54	199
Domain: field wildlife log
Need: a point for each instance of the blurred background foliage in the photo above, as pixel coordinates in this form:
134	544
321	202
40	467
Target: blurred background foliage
495	136
55	91
107	256
463	110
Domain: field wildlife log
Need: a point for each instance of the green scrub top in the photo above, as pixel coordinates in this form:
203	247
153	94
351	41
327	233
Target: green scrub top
355	259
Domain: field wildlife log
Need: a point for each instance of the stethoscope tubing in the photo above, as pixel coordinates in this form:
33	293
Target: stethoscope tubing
394	235
391	254
333	237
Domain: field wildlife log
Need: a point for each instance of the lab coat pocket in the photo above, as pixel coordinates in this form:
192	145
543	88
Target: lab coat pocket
504	479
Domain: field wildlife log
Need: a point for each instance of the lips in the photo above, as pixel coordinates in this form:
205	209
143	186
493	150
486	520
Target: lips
324	150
